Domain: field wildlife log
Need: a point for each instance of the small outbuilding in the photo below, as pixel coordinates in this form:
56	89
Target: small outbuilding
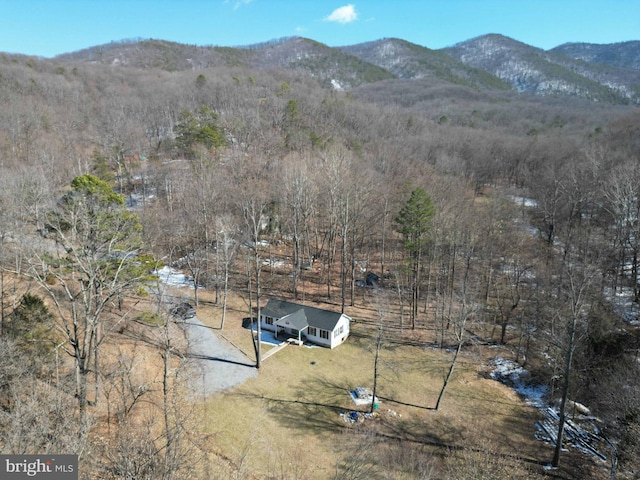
316	325
372	280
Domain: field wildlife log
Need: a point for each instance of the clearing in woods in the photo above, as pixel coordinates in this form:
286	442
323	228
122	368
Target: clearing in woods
288	417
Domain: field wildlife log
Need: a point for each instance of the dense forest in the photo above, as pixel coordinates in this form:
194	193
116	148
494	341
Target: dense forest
492	219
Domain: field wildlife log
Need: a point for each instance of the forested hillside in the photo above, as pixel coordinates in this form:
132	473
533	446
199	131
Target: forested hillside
623	54
487	63
530	69
496	224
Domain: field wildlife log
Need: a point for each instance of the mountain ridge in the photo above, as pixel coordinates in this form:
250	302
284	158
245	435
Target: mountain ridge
491	62
546	72
620	54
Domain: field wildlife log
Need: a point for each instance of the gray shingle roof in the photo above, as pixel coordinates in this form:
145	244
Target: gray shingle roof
297	320
316	317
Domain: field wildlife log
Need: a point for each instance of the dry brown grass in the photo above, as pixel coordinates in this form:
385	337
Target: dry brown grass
285	423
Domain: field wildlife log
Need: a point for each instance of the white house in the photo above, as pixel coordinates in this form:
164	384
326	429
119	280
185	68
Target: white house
315	325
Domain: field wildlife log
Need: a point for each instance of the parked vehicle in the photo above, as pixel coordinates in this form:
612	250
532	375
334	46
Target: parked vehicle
183	311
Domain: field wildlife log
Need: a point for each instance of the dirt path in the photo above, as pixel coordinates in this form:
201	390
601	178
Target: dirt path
217	364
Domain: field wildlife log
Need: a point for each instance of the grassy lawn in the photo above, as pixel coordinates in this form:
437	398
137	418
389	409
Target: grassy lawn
285	423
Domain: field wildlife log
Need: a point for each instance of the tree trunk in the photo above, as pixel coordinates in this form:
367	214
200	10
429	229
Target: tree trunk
258	343
343	270
2	315
81	394
461	328
169	445
565	393
375	369
449	374
96	370
225	293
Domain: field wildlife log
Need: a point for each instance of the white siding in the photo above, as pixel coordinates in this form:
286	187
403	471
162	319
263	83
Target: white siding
334	339
343	324
263	324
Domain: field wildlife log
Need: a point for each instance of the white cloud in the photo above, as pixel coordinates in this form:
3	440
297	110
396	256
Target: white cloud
238	3
346	14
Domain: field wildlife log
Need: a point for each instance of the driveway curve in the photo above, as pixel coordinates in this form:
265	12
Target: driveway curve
217	365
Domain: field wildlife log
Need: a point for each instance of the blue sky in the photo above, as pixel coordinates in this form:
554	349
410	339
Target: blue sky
50	27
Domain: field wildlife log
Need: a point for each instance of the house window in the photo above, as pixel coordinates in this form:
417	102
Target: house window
338	331
312	331
324	334
268	320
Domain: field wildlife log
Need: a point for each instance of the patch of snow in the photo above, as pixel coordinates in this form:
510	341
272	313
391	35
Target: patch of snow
527	202
261	243
581	432
274	263
336	85
174	278
623	304
516	377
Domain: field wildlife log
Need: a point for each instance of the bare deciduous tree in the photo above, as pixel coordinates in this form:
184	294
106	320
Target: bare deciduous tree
87	266
254	209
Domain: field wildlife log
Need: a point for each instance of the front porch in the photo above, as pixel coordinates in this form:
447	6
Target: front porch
289	335
292	326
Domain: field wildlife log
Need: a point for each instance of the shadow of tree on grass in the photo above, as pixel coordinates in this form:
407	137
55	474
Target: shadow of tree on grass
317	405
